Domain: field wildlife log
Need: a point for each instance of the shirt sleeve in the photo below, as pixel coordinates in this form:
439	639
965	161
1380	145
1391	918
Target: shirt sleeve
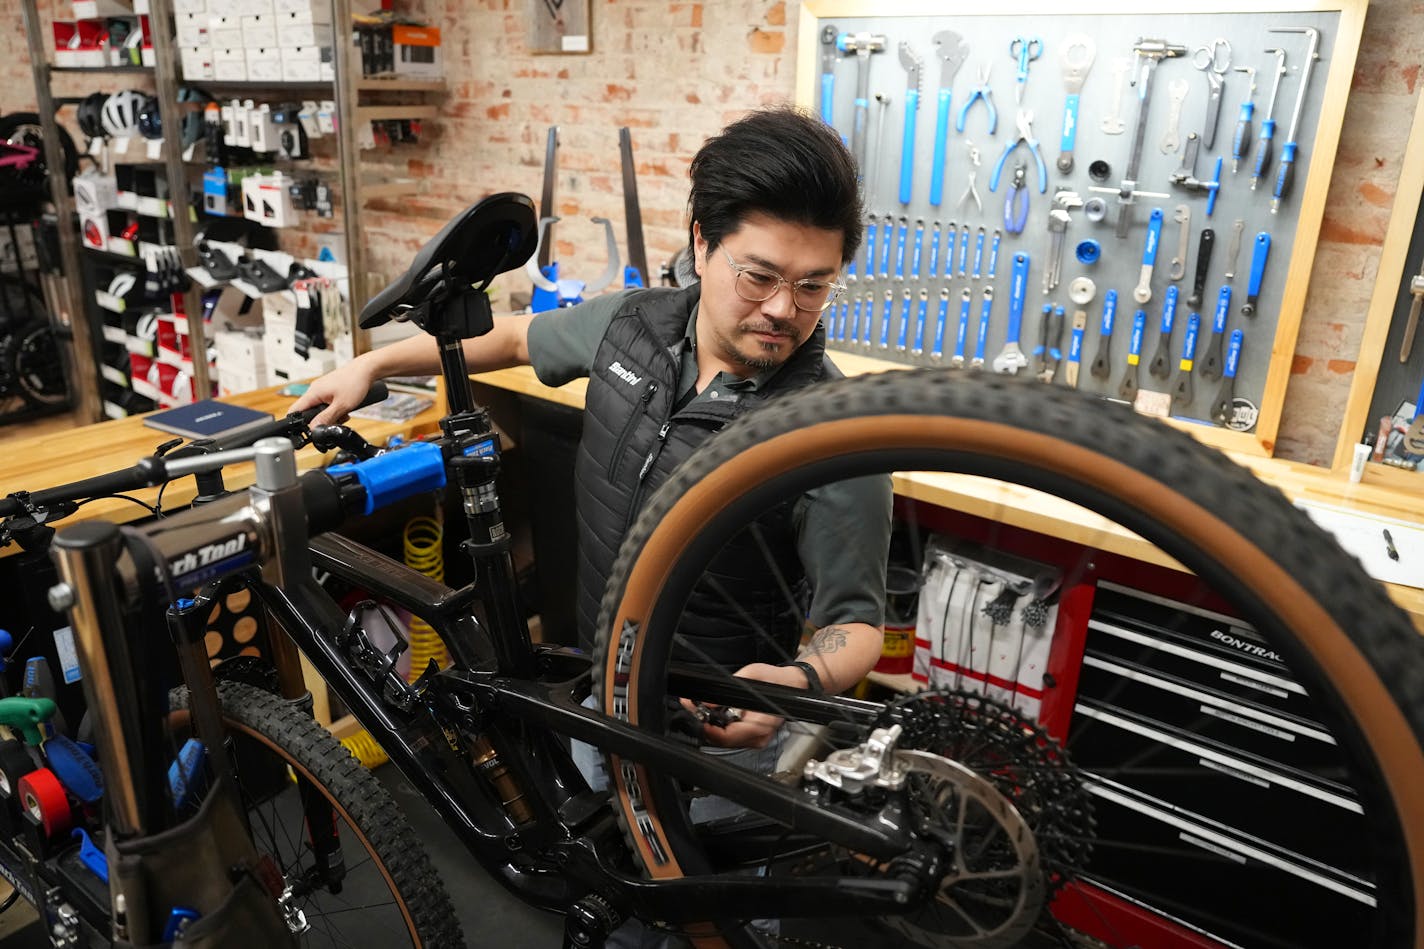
843	539
563	341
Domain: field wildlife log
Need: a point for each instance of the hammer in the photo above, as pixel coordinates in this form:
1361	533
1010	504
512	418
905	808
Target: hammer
862	45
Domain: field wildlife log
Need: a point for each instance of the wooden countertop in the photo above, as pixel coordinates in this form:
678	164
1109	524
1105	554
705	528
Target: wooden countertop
30	463
1379	494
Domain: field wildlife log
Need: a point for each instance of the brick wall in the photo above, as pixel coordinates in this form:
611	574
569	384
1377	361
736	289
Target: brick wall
676	72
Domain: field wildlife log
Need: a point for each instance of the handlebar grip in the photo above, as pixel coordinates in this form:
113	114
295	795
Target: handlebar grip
396	475
285	426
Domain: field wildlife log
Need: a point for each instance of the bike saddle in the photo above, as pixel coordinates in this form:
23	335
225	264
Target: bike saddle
496	235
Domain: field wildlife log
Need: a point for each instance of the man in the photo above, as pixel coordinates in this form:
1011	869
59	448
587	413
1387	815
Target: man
775	214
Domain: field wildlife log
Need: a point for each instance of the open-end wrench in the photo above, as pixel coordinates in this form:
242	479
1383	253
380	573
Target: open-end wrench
1241	138
1182	391
1149	53
1258	272
932	266
887	233
1142	293
1075	348
862	45
1261	163
962	333
1177	91
1286	174
1205	243
994	255
1011	358
828	74
869	319
902	341
869	266
1221	407
952	51
1112	123
986	307
950	233
886	314
912	63
978	254
1101	366
1076	59
1209	60
937	352
902	231
1233	249
1183	216
1127	389
1053	345
917	249
1211	362
1161	365
963	249
917	348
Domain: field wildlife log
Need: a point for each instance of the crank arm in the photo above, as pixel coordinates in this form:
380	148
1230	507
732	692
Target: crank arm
1161	361
1211	363
1127	390
1182	392
1100	367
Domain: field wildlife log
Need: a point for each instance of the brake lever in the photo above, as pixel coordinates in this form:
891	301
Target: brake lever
328	437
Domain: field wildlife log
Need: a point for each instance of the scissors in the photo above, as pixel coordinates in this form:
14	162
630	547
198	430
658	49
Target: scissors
1025	50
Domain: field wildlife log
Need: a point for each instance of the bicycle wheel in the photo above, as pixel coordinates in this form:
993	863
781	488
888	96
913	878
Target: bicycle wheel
30	359
389	894
1256	562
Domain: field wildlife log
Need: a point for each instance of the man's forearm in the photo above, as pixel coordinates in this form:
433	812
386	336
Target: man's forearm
843	653
419	355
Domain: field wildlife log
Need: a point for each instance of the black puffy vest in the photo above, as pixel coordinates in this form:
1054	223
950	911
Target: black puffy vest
633	440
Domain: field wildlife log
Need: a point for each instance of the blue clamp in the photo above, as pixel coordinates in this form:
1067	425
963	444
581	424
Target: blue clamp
91	856
1088	251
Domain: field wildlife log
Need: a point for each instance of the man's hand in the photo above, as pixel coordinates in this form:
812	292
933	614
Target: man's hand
341	390
756	729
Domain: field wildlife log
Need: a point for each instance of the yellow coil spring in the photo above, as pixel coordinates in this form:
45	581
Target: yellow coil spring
364	749
424	551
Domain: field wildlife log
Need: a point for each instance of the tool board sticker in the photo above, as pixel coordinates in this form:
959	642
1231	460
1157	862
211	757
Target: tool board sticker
210	560
1244	414
1155	160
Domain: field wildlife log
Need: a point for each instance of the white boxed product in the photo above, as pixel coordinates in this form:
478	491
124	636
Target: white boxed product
141	7
261	130
259	31
197	62
328	71
148	57
315	11
95	194
191	29
301	64
251	7
95	9
225	31
241	361
190	6
304	33
264	64
228	69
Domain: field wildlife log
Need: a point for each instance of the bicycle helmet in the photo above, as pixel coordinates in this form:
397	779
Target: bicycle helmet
193	121
120	115
150	121
91	114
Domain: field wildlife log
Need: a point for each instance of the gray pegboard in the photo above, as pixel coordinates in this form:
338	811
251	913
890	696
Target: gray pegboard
1118	268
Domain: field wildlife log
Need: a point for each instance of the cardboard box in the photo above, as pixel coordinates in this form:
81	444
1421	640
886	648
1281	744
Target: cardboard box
264	64
417	51
302	63
314	11
227	69
225	32
294	32
191	29
97	9
197	62
259	31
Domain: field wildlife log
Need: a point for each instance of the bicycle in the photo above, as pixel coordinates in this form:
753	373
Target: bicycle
948	818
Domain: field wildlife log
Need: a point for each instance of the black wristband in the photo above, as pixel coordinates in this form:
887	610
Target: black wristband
813	678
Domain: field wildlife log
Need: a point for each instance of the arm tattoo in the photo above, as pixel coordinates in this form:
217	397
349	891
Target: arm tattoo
828	640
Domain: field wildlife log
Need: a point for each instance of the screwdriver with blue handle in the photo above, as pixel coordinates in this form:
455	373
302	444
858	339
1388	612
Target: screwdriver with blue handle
1289	151
1241	141
1262	162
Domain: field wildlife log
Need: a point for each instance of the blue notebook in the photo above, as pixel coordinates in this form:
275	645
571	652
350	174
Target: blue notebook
206	418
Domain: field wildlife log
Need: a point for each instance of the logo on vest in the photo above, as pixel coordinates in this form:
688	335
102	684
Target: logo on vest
627	375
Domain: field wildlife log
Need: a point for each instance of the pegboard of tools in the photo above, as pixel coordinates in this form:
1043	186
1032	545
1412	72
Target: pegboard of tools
1125	201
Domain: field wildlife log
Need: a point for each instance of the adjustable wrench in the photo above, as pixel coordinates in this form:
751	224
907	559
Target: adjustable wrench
828	74
1205	243
902	341
1075	348
1183	216
1149	54
952	51
1262	161
1011	358
1142	293
1286	175
912	63
918	347
986	307
957	360
1258	272
1211	362
1182	391
940	319
1221	408
1127	389
1161	362
1100	367
1077	57
862	45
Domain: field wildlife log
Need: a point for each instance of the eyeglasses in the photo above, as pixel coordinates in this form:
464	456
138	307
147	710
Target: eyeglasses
757	286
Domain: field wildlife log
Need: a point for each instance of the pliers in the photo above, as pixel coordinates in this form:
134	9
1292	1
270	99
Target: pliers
1016	202
971	190
1025	137
980	91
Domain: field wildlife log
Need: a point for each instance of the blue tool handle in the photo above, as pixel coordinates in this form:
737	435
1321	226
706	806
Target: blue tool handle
963	248
1139	325
1109	311
1070	124
900	233
907	146
5	642
949	235
1017	289
397	475
985	308
1258	264
854	332
869	319
885	230
1016	210
978	253
1263	148
919	247
1241	141
999	168
1223	306
933	265
885	318
828	85
1042	170
1189	344
1075	345
870	248
91	855
920	314
941	134
994	256
1154	237
1055	331
1233	353
1047	310
940	319
838	325
1214	188
1286	174
902	339
1169	310
963	331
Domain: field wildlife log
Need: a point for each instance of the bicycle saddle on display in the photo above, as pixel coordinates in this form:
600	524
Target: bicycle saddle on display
496	235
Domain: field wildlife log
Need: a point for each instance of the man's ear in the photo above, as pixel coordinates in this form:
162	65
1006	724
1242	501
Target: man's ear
699	248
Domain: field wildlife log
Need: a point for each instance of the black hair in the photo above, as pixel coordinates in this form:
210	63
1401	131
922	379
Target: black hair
783	162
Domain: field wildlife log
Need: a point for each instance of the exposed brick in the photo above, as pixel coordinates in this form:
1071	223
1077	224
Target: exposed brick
1300	365
1341	367
766	41
776	15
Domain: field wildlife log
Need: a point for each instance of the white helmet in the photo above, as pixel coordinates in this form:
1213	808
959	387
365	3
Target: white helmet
120	113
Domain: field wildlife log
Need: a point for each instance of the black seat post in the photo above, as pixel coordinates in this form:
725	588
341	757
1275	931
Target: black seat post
461	316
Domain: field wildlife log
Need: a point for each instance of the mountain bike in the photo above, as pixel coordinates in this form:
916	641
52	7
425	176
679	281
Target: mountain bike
946	818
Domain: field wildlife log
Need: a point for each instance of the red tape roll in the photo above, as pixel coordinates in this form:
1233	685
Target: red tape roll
43	797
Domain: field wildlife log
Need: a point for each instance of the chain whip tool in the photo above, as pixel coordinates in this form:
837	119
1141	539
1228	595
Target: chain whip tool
1258	272
862	45
1289	151
952	51
1211	362
1262	161
1241	139
1075	348
1183	216
961	334
1011	358
1127	390
1142	293
941	317
1149	54
1182	391
1211	61
1161	365
912	63
1101	366
986	307
1221	408
1205	243
1079	50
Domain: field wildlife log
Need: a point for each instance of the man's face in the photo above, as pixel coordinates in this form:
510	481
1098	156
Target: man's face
743	337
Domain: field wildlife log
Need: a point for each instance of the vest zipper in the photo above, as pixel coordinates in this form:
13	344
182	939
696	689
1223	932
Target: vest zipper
627	432
648	463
